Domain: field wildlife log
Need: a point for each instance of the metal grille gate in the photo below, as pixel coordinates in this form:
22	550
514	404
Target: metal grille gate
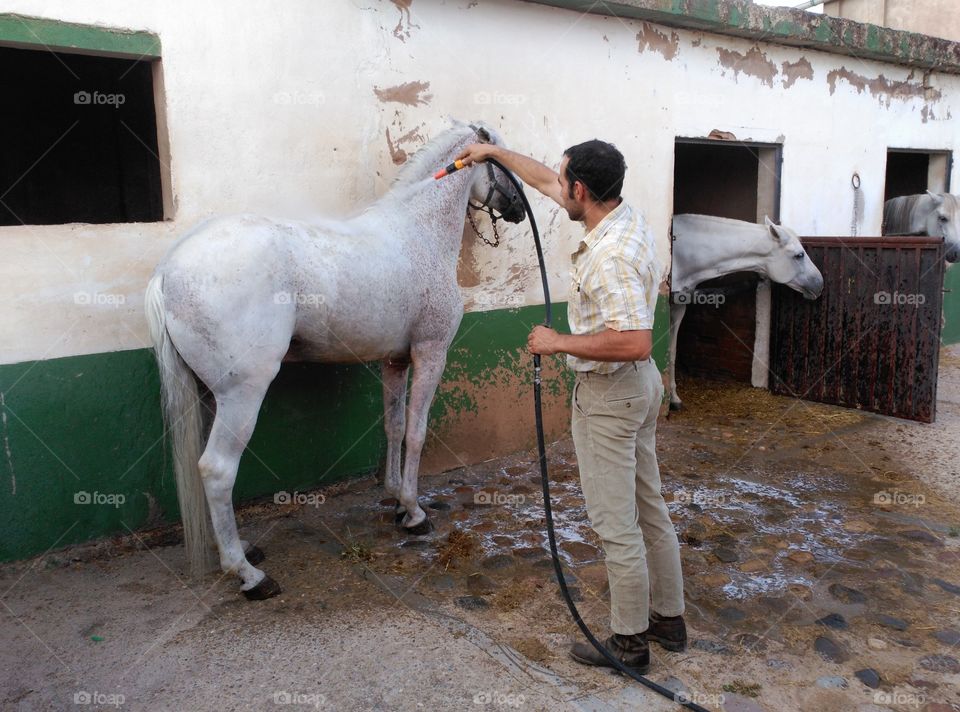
872	339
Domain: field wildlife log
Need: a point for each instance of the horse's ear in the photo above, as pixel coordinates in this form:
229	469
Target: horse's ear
774	229
938	199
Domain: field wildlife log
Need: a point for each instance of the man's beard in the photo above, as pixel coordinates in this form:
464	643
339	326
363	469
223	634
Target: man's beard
575	213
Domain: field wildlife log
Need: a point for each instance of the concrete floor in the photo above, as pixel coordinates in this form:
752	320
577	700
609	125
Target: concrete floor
130	630
774	502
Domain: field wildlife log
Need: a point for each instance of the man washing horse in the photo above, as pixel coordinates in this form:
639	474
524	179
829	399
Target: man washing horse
617	394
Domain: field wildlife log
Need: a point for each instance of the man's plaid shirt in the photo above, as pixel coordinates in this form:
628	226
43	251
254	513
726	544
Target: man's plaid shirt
616	276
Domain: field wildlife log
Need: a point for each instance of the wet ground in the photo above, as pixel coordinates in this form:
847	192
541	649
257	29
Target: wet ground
821	552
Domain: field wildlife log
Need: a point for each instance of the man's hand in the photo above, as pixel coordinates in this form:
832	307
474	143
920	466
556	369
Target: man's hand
477	153
544	341
530	171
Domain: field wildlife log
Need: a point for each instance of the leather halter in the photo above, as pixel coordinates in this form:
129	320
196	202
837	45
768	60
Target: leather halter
495	187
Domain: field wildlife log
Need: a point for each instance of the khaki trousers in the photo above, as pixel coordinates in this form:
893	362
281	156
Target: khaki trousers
614	431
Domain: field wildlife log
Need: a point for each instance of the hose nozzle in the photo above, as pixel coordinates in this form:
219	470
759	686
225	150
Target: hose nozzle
452	168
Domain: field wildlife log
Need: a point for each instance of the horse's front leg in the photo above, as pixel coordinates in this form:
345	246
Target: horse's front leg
395	373
428	362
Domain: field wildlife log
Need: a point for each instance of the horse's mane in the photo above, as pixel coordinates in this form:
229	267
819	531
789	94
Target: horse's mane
900	214
429	154
896	214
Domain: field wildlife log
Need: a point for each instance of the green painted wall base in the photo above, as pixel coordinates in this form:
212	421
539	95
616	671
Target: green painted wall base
82	454
951	306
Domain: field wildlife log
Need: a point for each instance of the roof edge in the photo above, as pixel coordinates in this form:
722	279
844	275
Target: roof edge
783	26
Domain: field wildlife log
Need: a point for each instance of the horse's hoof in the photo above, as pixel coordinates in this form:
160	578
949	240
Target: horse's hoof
676	406
254	555
398	515
424	527
267	588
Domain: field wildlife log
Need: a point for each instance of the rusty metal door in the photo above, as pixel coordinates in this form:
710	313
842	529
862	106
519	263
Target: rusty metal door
872	339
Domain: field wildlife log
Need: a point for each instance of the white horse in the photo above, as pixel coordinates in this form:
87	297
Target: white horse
933	214
238	295
706	247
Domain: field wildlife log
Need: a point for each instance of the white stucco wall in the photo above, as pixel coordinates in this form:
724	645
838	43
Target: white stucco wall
271	107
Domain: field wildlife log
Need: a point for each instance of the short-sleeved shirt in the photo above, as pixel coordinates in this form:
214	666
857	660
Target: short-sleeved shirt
616	277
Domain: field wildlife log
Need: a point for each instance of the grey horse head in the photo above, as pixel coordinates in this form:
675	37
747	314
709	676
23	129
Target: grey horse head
493	189
944	221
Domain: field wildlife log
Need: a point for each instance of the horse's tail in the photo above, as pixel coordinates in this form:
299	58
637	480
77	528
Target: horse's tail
181	410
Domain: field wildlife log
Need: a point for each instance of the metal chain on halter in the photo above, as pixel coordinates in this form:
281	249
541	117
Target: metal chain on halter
857	200
476	230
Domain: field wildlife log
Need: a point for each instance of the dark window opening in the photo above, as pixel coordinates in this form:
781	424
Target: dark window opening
729	180
910	172
80	140
716	180
906	174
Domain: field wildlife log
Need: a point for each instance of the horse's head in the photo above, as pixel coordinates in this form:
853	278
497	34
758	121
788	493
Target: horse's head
490	187
789	263
944	221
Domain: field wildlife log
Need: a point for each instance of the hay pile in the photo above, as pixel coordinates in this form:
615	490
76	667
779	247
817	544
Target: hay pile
458	545
725	401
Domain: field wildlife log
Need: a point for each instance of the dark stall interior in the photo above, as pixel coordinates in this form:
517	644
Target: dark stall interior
731	180
910	172
80	140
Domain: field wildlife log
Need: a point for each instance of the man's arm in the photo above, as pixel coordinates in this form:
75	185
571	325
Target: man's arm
606	345
530	171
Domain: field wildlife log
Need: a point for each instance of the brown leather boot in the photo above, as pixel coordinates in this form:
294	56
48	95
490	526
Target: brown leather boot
669	632
631	650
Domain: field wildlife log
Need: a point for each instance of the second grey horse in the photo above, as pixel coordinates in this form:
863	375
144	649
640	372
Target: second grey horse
932	214
706	247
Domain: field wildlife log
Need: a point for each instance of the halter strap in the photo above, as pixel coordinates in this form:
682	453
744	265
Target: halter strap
484	205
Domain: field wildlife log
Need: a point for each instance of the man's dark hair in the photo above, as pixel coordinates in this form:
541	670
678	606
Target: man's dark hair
599	166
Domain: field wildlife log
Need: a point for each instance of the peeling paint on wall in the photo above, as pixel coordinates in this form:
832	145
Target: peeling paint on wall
649	37
399	31
927	114
486	402
883	88
754	63
792	71
397	154
409	93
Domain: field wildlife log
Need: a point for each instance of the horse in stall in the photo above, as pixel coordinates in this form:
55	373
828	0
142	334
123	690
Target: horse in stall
237	295
707	247
932	214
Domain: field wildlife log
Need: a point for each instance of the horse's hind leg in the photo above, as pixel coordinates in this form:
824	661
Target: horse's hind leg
395	375
233	425
428	362
208	411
